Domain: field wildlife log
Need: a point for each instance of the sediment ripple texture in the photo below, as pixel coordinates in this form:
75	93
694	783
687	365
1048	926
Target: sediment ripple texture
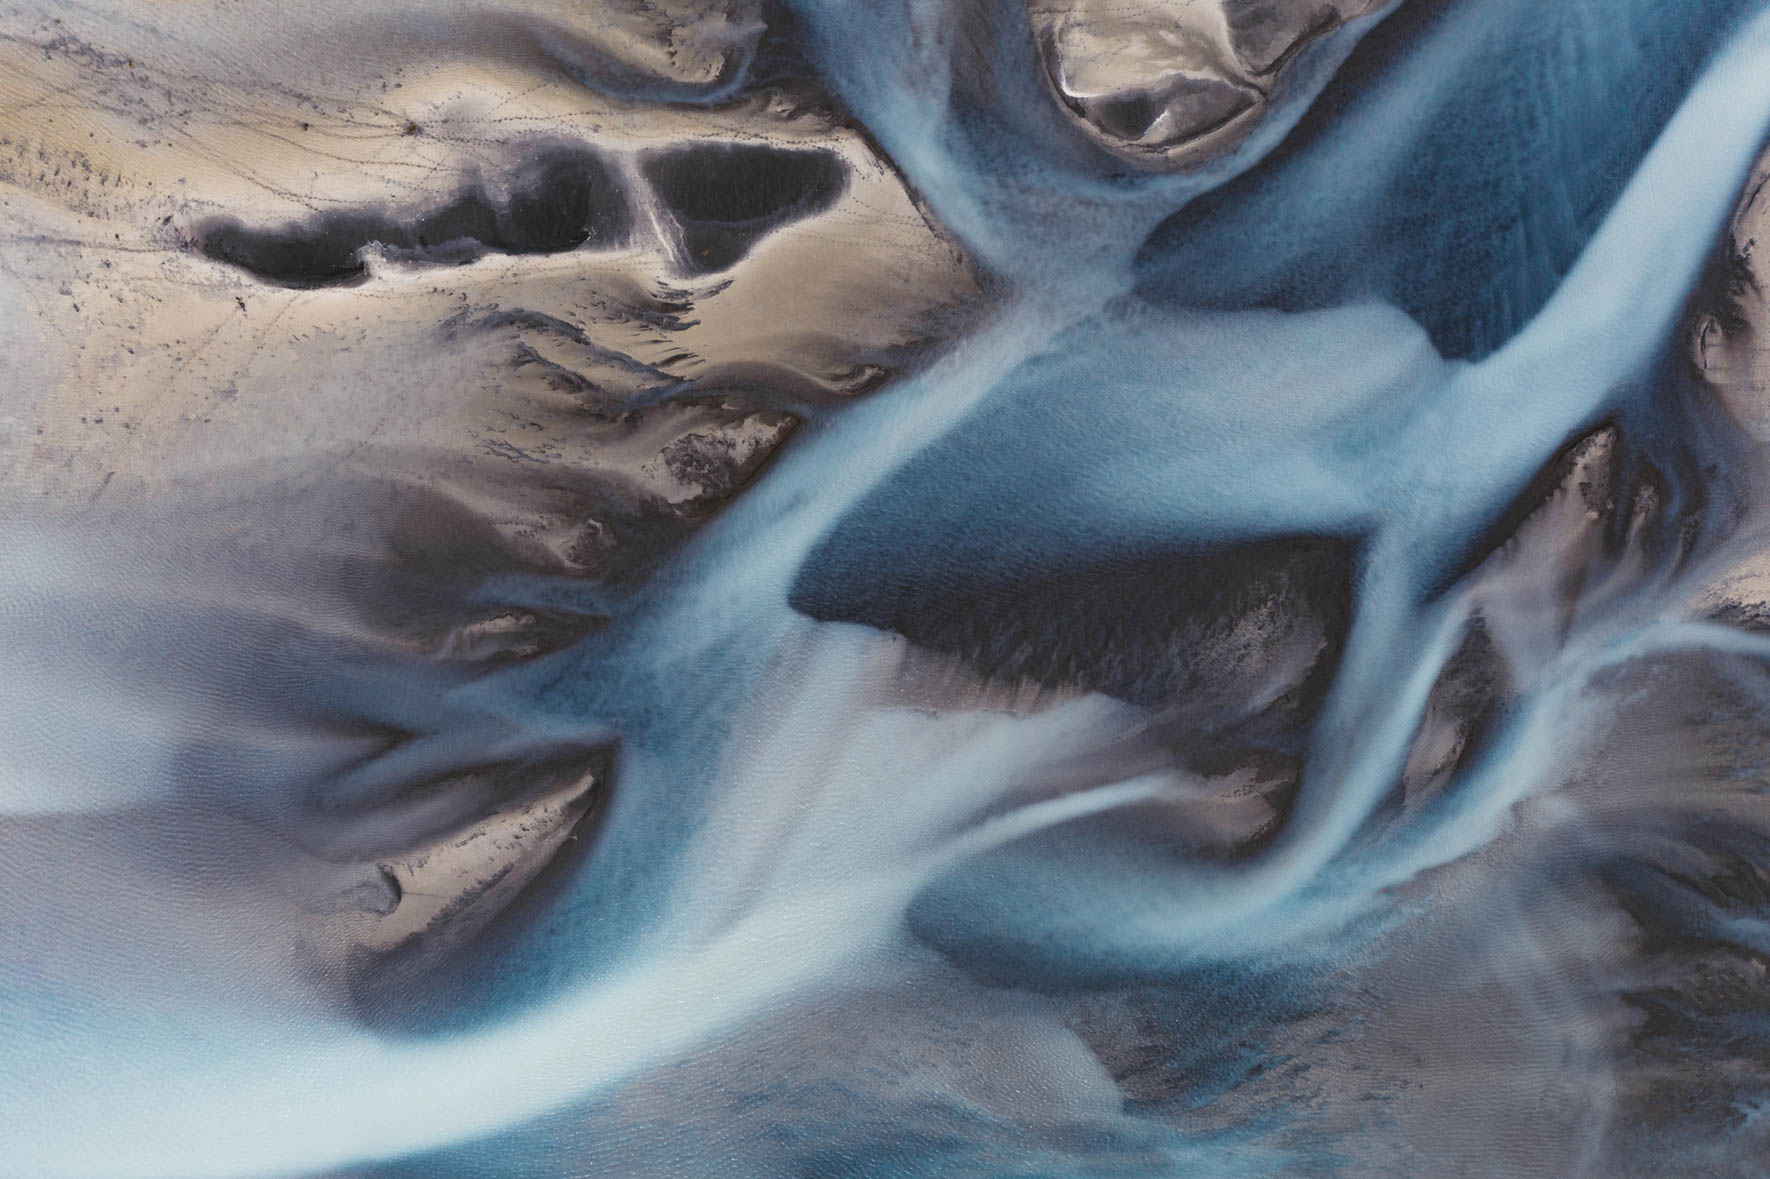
912	588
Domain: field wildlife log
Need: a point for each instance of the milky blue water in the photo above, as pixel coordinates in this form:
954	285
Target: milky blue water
857	908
